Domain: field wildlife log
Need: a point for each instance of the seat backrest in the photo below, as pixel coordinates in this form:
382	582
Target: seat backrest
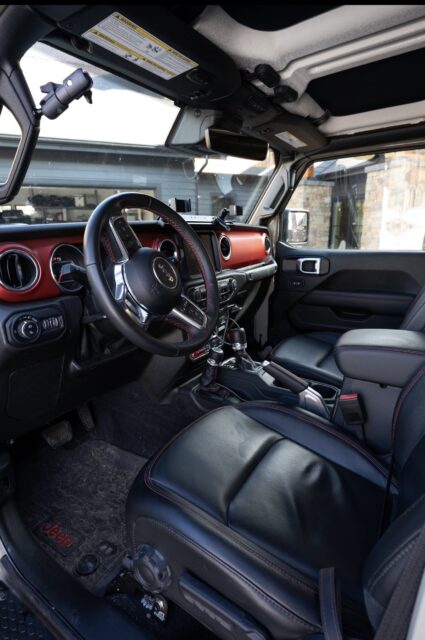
414	320
387	559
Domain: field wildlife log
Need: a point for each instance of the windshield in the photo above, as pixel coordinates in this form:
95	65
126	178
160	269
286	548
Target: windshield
117	144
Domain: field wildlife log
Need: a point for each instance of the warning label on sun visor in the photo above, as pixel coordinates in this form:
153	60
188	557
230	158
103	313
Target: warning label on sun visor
290	139
129	41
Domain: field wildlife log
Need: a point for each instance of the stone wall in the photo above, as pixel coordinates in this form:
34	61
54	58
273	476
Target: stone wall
393	207
315	196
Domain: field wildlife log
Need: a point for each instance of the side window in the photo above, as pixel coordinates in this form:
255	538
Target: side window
364	202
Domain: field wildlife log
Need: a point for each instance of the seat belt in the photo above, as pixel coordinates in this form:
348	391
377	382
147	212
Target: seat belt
396	619
330	604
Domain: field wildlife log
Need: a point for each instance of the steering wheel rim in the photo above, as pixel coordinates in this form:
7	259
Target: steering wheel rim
156	289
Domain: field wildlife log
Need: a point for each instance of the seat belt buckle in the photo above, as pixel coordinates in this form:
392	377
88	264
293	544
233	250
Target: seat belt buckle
352	409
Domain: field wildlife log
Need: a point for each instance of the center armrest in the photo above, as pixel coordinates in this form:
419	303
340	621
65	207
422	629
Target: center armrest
385	356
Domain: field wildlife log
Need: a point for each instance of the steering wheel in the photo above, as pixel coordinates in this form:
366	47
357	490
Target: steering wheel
143	284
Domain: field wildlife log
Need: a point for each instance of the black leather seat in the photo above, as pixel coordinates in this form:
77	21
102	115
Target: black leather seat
311	355
253	501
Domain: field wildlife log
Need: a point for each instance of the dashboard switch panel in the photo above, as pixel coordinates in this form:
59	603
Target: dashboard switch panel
39	325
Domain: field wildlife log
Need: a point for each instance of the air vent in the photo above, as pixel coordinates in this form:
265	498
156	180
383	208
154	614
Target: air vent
18	270
225	247
169	248
267	244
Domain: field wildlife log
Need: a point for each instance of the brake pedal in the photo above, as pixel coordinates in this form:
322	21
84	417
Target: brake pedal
58	434
86	417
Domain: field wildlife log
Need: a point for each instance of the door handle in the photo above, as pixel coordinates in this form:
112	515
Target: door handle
309	265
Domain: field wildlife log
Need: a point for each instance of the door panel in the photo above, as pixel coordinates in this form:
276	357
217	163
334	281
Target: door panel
361	289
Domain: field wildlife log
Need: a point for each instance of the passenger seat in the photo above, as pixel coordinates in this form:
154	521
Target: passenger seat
311	355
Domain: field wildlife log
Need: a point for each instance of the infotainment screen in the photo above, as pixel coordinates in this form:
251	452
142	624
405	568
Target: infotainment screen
192	264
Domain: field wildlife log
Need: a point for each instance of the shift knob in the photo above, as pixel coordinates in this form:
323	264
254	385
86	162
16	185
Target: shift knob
237	339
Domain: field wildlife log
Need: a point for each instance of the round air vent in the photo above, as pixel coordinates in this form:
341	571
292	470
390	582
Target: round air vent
267	244
169	248
18	270
225	247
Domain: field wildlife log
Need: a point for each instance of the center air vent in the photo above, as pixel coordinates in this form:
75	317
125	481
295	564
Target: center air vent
225	247
18	270
169	248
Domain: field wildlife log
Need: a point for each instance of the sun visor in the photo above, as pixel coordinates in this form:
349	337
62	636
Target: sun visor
151	46
288	133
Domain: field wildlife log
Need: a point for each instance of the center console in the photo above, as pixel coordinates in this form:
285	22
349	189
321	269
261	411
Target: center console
240	378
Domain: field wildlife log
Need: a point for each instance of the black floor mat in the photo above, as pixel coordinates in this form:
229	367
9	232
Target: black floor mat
73	500
16	622
131	419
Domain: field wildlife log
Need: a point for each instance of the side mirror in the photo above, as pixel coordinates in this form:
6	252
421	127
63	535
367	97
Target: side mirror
295	226
19	129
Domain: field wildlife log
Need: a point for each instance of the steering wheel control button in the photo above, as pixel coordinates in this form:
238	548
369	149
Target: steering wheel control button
165	273
125	236
87	565
190	311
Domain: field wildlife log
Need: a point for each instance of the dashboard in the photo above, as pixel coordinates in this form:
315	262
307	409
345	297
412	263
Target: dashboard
57	350
34	268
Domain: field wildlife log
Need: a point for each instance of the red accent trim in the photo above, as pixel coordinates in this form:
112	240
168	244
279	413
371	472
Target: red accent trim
349	396
247	248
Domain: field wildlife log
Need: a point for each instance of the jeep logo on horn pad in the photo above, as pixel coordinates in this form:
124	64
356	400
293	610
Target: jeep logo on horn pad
165	273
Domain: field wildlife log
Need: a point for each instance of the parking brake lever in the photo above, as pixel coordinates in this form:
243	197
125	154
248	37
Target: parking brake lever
308	398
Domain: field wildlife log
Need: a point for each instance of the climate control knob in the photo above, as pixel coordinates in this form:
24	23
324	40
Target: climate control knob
28	328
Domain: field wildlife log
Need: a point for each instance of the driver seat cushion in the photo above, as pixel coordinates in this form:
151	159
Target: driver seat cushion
310	356
254	502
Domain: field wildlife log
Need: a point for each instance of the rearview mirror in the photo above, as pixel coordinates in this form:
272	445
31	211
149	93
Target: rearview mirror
295	226
234	144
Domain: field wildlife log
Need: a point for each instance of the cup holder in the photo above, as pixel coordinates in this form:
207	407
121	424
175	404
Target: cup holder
328	393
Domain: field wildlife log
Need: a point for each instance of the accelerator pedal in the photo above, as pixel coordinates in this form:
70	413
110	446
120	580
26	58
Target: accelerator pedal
58	434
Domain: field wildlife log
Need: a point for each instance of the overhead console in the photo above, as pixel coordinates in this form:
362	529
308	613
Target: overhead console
151	46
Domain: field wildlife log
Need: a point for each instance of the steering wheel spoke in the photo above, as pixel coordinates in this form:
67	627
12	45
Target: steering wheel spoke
187	315
123	296
125	240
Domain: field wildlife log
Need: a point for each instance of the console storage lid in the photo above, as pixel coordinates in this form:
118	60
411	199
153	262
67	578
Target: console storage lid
385	356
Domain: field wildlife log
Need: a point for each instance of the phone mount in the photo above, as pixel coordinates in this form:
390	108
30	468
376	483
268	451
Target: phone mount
60	96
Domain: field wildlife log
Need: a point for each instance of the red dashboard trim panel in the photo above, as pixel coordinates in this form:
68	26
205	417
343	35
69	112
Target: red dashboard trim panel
247	249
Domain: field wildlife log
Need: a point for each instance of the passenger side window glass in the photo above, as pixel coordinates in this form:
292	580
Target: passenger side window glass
364	202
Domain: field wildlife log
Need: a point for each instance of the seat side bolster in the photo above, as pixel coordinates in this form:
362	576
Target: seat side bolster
387	559
320	436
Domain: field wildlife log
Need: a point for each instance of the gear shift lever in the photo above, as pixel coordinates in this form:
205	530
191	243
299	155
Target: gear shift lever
215	358
237	338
